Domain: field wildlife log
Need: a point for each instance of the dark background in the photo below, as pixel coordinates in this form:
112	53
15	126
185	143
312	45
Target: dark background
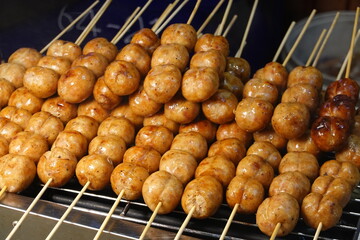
34	23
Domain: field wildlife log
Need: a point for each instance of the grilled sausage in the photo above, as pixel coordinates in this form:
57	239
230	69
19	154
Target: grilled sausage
113	147
145	157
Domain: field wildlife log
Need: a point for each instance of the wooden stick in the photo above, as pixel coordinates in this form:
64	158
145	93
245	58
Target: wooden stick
3	191
69	26
347	73
227	30
116	203
171	16
342	69
299	37
226	14
217	30
194	12
228	223
185	223
276	230
133	21
277	54
92	23
315	48
318	230
243	42
209	17
164	14
326	39
151	220
51	234
18	224
125	24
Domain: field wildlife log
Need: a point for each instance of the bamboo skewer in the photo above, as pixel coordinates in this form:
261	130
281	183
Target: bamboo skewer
194	12
315	48
103	225
151	220
227	30
342	69
228	223
36	199
92	23
243	42
53	231
171	16
165	13
287	34
351	51
69	26
326	39
318	230
2	191
209	17
125	24
299	37
227	10
185	223
276	230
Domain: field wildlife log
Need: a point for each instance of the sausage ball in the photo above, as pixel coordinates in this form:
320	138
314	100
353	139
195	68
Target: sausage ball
220	107
61	48
231	148
294	183
162	187
281	208
102	46
157	137
4	146
59	108
73	141
17	172
104	96
58	164
59	64
13	72
28	57
145	157
316	209
42	82
23	98
181	110
137	55
233	84
141	104
162	82
304	143
211	58
275	73
204	194
191	142
303	162
85	125
261	89
113	147
253	166
340	106
93	109
146	38
129	178
330	133
124	110
218	167
29	144
95	62
268	134
205	127
179	163
344	86
290	120
302	93
345	170
120	127
180	33
305	74
17	115
6	89
76	85
266	151
8	129
46	125
253	114
350	152
160	119
171	53
232	130
238	67
248	193
209	41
